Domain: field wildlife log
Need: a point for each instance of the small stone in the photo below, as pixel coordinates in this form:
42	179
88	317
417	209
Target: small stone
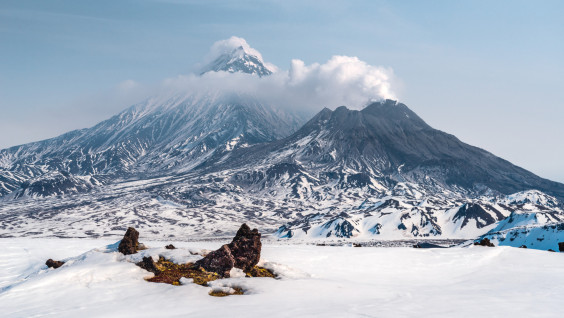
170	247
523	246
551	250
141	247
484	242
148	264
54	264
129	244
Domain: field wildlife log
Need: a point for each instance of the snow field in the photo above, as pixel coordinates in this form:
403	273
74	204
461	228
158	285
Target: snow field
316	282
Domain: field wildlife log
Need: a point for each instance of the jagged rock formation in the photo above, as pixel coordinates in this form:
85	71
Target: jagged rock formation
243	253
130	242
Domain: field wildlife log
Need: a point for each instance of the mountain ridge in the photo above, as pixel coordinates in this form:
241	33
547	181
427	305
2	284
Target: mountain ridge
192	164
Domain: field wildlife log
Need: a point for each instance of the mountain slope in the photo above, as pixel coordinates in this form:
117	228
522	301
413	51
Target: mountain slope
388	140
163	135
323	181
199	162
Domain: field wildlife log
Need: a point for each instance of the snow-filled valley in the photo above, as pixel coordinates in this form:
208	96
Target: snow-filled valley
315	281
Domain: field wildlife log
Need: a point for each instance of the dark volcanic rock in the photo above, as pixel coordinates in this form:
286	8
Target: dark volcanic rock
427	245
170	247
220	261
54	264
561	246
148	264
246	247
485	242
551	250
523	246
129	244
243	252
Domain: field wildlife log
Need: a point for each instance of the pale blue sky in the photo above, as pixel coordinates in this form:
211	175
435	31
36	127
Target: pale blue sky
489	72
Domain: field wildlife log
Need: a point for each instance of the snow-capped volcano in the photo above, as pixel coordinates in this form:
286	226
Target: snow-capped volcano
385	142
235	55
196	162
380	172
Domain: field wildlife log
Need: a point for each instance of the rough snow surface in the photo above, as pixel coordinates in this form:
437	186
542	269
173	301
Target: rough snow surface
316	281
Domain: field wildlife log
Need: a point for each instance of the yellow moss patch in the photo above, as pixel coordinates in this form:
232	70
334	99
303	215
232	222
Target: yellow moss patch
219	293
170	273
258	271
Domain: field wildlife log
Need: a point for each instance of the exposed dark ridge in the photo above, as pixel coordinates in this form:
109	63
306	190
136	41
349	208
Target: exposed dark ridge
391	134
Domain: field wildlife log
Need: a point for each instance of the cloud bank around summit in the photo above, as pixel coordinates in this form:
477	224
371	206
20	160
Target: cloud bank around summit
342	80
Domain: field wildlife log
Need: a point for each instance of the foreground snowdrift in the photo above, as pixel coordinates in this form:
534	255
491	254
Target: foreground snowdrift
316	281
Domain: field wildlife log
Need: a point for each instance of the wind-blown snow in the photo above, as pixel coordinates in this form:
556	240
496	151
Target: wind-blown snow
232	45
317	282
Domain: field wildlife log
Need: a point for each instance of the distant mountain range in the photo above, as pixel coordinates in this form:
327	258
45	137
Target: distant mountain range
195	164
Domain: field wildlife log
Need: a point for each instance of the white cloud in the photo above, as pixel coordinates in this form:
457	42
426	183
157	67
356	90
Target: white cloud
229	45
342	80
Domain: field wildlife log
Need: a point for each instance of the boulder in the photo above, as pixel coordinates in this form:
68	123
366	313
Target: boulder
523	246
129	243
484	242
220	261
170	247
148	264
551	250
243	252
561	246
246	247
54	264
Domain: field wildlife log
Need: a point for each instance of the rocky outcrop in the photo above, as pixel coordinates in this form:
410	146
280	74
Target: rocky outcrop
54	264
170	247
561	246
220	261
130	242
149	265
243	252
484	242
246	247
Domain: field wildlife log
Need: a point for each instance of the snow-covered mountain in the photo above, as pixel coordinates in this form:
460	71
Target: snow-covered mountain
235	55
386	143
199	163
165	134
401	217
